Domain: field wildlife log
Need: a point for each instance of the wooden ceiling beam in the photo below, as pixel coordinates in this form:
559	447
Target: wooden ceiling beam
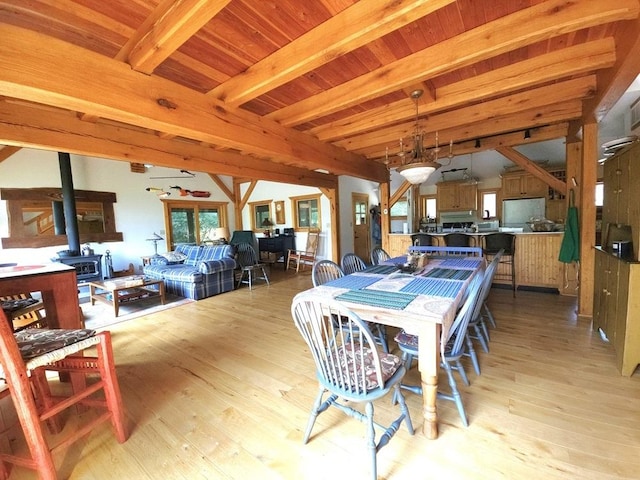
223	186
537	117
563	63
7	151
524	27
178	24
613	82
63	131
511	139
350	29
109	89
533	168
578	88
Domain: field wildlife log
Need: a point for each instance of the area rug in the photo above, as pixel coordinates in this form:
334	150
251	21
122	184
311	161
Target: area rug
100	315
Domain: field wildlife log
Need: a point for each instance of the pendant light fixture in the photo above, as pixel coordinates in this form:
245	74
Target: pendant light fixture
419	163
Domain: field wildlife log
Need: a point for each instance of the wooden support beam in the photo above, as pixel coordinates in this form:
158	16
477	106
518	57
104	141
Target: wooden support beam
533	168
541	21
402	189
353	27
157	104
222	186
7	151
177	25
53	129
587	217
385	214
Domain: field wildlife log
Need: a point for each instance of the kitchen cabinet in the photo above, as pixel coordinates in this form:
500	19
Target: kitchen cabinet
615	311
456	196
522	185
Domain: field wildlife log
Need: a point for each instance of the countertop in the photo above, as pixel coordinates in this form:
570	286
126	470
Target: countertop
440	234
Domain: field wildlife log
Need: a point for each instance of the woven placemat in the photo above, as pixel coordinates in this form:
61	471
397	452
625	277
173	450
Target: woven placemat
352	282
462	262
381	269
378	298
449	273
433	286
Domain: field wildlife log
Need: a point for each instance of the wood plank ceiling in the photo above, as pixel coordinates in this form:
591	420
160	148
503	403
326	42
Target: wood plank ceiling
279	89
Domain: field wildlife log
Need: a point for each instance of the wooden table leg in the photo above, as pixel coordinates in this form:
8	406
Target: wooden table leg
429	364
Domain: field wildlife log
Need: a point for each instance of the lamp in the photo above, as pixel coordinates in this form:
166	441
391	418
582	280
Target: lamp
267	224
155	238
221	234
419	163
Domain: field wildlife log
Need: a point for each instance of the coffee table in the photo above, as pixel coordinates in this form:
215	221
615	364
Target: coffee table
117	291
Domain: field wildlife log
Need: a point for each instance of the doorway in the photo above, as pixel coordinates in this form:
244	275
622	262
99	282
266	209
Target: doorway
361	229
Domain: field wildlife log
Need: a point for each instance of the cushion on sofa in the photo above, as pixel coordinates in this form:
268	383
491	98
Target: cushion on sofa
174	257
193	253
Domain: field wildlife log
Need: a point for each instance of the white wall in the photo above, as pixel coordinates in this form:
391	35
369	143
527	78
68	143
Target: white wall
138	213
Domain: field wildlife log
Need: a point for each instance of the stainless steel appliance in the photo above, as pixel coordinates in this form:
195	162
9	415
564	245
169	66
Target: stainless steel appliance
516	213
448	227
458	221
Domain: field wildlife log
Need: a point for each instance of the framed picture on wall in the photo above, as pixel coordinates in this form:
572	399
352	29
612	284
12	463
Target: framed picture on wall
280	212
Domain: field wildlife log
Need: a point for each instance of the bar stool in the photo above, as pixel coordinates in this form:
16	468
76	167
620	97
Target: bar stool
492	244
422	240
457	240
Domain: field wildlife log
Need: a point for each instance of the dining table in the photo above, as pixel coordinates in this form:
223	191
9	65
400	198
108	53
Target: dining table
423	302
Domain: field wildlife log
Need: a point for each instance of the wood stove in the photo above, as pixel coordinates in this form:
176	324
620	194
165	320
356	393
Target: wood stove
88	267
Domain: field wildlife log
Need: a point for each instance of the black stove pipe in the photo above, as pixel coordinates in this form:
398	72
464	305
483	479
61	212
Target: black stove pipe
69	203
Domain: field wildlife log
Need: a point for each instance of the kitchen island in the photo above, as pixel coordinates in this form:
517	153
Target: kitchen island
537	263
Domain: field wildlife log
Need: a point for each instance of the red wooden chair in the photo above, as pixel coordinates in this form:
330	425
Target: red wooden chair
25	357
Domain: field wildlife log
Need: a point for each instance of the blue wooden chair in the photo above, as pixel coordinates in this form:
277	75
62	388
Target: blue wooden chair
454	350
378	255
327	270
349	368
477	326
351	263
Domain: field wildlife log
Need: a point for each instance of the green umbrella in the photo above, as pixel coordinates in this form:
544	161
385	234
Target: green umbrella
570	247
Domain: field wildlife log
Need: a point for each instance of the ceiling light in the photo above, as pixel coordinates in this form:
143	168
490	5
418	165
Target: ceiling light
477	145
527	134
419	163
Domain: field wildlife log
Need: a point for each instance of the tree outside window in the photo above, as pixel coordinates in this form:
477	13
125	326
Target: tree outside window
193	223
306	210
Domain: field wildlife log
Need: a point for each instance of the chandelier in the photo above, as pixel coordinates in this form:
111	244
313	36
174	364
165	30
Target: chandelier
419	163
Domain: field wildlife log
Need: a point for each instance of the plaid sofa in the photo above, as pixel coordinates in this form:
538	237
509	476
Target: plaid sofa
207	271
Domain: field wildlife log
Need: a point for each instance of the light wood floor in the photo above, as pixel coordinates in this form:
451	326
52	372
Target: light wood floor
221	389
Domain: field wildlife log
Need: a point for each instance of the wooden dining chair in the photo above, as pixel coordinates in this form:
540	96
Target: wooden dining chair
25	357
324	271
251	269
24	311
349	368
454	348
378	255
351	263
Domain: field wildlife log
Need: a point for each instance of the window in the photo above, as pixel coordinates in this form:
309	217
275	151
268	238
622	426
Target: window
428	206
489	204
599	194
261	213
399	209
306	212
193	222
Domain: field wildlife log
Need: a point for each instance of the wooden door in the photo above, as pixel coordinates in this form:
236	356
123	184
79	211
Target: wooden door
360	219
